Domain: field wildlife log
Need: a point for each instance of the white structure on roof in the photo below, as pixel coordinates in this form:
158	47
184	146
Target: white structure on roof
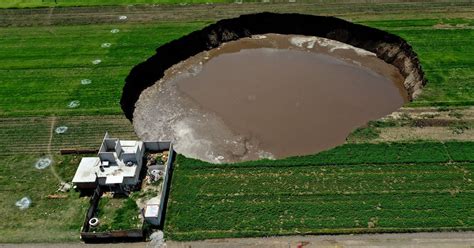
118	164
152	214
152	211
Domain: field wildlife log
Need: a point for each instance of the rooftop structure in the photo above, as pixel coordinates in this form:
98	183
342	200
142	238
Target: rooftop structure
118	164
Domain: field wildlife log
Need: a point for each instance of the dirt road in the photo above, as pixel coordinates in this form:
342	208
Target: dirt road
413	240
207	12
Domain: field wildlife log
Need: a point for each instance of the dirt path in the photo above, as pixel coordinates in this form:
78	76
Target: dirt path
413	240
200	12
432	240
50	154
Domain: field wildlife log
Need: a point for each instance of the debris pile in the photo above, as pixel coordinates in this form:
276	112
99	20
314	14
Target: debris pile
61	129
74	104
23	203
43	163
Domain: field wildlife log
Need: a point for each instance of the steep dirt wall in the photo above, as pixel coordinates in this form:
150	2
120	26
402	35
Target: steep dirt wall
391	48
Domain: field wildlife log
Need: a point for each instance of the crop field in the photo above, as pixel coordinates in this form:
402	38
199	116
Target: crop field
410	174
354	188
450	73
258	200
41	73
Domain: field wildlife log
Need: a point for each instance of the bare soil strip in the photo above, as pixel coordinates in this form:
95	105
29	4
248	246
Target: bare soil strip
368	240
415	240
50	154
429	124
174	13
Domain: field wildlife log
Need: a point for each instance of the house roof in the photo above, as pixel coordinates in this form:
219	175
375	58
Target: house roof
113	167
85	172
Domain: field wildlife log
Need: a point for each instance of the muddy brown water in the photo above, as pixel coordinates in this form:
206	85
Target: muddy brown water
270	96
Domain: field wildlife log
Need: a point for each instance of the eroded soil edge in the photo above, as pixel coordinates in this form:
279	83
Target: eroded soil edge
388	47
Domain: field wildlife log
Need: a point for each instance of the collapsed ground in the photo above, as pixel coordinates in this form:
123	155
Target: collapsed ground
41	72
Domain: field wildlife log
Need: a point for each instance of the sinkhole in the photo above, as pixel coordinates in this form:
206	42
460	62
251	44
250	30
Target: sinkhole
269	86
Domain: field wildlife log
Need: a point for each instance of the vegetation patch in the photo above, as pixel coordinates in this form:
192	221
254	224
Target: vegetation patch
363	134
348	154
118	213
316	197
459	127
52	216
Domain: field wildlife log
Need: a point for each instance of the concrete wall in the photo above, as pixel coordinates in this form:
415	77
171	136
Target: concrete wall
156	146
107	156
130	157
166	188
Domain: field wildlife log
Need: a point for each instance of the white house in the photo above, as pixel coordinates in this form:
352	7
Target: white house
118	165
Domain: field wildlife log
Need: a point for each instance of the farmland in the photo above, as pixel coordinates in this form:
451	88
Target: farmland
407	174
279	200
42	67
42	73
354	188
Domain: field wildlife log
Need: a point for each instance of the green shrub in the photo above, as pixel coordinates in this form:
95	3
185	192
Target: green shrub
364	134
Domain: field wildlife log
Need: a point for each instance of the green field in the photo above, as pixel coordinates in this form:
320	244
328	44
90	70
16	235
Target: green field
117	214
354	188
444	55
41	68
235	201
371	184
47	219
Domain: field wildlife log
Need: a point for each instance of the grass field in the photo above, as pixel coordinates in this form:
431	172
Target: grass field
118	214
366	185
47	219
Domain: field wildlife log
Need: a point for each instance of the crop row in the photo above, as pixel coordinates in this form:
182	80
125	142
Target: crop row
41	73
234	202
31	135
380	153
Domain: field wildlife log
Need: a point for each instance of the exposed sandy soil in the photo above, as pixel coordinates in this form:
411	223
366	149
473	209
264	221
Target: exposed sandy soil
429	124
430	133
451	26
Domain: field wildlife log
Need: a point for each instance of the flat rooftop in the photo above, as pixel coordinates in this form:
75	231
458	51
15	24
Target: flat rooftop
114	172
